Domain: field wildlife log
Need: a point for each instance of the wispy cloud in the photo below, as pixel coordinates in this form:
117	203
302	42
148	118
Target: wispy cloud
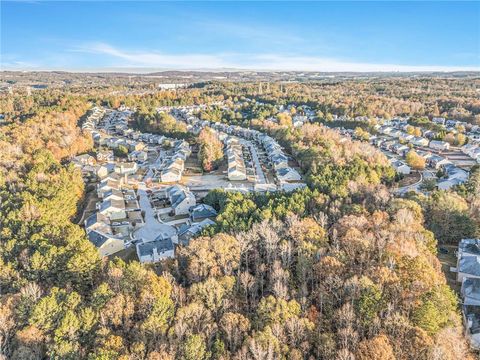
148	58
277	62
107	56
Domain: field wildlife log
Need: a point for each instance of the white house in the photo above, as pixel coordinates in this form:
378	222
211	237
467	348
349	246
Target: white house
114	209
127	168
106	185
170	175
286	186
419	141
400	167
181	199
439	145
105	243
105	156
237	173
468	259
84	159
153	251
439	120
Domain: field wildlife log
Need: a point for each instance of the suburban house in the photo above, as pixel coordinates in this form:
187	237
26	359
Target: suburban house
137	155
105	156
105	243
127	168
279	161
470	291
201	212
287	186
419	141
400	167
106	185
439	145
468	273
186	232
400	149
170	175
158	249
97	221
437	161
180	199
113	209
446	184
288	174
236	164
468	259
84	159
439	120
237	172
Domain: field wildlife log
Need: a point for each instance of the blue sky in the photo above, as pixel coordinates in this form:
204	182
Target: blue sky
315	36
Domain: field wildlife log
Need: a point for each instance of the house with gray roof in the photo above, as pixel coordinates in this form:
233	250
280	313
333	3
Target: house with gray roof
158	249
186	232
106	244
468	266
201	212
471	320
181	199
114	209
288	174
470	291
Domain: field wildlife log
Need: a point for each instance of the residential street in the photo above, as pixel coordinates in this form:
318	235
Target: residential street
152	227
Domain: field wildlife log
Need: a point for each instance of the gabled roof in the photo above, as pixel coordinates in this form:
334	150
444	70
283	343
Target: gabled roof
471	246
112	203
91	220
114	193
98	238
471	291
203	211
279	158
187	231
398	163
161	243
469	264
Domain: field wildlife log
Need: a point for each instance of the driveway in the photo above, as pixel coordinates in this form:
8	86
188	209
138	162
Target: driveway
152	227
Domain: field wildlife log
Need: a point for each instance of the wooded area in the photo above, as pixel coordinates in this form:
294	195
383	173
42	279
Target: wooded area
338	270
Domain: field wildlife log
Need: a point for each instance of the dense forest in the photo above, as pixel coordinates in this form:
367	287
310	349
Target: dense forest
339	270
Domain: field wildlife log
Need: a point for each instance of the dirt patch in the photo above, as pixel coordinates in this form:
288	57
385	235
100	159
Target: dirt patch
449	260
409	179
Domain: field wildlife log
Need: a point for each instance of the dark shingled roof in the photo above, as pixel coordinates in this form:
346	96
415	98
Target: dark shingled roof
97	238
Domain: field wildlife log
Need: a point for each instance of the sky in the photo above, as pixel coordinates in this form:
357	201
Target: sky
301	36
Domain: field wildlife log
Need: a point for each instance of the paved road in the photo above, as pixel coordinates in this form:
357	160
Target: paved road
152	227
260	176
